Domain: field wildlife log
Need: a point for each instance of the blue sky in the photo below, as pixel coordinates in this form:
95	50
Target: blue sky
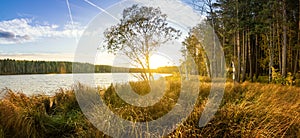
42	29
50	18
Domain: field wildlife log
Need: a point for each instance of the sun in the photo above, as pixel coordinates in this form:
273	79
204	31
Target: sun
159	60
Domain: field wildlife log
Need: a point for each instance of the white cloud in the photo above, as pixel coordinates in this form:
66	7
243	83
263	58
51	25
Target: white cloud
24	30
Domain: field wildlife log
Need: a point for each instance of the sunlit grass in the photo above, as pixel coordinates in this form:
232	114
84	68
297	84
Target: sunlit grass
247	110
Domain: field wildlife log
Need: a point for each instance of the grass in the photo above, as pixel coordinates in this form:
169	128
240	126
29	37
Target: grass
247	110
23	116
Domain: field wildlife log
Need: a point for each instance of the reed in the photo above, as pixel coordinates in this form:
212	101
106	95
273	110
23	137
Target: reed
247	110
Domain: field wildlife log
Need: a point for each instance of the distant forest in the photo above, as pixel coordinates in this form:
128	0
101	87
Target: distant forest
14	67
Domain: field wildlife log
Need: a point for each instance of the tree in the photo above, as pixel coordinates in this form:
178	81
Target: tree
207	6
284	47
258	38
196	49
141	31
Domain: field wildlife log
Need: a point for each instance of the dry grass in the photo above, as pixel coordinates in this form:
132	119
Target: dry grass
24	116
256	110
247	110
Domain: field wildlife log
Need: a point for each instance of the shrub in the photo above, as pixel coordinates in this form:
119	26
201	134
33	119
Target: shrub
277	78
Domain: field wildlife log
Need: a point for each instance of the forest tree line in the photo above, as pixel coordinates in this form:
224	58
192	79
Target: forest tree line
259	38
13	67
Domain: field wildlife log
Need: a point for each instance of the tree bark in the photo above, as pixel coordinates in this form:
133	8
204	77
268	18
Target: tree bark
244	57
271	54
250	57
234	60
284	46
296	63
256	57
298	45
279	45
238	43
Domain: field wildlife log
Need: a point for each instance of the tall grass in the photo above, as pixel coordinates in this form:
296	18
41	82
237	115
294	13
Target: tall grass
247	110
42	116
251	110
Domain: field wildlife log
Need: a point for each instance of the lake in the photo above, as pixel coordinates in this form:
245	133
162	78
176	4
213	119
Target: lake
49	83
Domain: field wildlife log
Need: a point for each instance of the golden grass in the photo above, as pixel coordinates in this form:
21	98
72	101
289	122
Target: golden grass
247	110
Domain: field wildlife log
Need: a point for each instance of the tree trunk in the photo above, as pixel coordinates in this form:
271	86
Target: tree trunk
223	62
150	77
239	57
289	51
234	60
284	47
296	63
213	63
250	57
271	53
233	71
244	57
238	43
298	45
256	56
207	65
279	46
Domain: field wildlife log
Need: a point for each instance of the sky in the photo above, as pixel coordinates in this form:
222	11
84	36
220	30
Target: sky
49	29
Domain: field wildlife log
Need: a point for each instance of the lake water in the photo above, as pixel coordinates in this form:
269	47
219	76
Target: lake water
50	83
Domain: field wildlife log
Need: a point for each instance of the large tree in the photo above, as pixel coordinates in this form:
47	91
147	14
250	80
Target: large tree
141	31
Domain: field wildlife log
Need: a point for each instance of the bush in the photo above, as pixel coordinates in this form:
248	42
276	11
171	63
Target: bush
277	78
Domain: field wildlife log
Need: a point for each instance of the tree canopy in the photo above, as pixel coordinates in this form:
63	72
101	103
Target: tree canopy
140	32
